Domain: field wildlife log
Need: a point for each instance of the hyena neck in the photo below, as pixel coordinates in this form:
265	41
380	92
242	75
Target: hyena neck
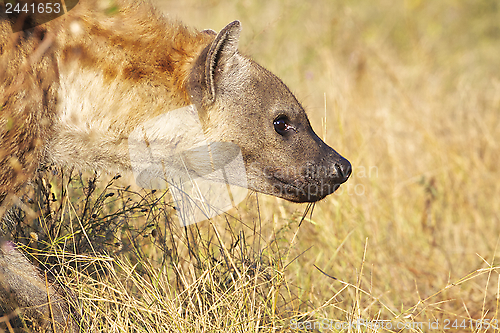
117	72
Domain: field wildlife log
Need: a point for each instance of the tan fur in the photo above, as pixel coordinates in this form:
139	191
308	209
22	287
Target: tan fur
111	78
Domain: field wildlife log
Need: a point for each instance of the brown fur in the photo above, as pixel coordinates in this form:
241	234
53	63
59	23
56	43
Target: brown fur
72	90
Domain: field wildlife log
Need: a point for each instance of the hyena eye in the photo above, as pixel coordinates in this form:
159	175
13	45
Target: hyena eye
281	125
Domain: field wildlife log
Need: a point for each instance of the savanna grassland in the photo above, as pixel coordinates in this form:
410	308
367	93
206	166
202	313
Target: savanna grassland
409	92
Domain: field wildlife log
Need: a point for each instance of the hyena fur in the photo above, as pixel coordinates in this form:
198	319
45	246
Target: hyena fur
73	89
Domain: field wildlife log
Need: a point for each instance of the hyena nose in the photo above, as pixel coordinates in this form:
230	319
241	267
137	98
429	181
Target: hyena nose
344	169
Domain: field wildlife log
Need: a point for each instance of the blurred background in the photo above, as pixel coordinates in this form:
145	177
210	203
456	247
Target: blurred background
409	92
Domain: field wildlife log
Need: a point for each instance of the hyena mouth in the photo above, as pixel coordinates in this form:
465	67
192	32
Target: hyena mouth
312	183
303	190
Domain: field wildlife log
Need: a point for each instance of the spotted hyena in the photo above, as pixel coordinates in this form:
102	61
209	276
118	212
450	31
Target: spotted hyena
74	89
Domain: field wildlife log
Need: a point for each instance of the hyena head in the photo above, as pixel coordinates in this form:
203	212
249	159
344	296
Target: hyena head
243	103
240	102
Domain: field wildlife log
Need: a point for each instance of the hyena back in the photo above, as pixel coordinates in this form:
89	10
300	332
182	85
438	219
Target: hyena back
72	91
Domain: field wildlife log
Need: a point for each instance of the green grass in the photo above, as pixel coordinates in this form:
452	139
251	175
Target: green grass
409	92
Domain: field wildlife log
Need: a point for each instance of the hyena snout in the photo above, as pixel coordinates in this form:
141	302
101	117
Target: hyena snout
315	180
344	170
326	177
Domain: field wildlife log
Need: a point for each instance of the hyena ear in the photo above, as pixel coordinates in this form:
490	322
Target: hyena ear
224	46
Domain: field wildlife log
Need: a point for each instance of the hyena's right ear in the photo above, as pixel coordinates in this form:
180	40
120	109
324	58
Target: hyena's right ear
222	48
213	62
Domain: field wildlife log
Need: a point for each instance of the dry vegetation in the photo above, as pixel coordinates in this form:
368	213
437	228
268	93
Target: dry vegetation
409	92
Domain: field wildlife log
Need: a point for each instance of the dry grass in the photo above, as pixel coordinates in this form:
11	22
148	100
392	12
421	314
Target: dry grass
409	92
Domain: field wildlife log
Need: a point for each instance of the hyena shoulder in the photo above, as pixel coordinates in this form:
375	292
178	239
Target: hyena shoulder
75	87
